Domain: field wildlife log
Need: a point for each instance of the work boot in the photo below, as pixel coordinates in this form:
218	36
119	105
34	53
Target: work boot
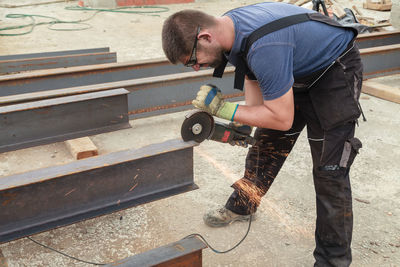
222	217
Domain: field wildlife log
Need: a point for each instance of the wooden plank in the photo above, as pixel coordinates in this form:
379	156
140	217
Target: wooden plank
381	6
81	148
382	91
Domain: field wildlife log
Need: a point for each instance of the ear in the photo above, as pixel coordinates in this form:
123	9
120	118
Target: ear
205	35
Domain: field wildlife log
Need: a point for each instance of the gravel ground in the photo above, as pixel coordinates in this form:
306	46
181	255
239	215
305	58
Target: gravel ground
282	235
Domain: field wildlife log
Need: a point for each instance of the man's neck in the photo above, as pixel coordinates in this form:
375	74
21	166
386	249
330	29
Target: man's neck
225	32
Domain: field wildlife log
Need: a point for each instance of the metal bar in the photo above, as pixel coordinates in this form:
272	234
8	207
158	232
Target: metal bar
51	120
56	196
174	92
380	61
19	65
185	252
56	53
42	80
368	40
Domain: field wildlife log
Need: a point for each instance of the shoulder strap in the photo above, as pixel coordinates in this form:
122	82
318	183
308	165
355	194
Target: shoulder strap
272	27
241	67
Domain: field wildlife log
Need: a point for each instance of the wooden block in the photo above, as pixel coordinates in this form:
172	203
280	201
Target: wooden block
3	261
382	91
381	6
338	10
302	2
81	148
357	10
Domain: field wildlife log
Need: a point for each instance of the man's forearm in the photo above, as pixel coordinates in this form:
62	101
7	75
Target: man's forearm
261	116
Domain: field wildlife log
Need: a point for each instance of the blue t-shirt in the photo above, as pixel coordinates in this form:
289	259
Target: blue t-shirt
295	51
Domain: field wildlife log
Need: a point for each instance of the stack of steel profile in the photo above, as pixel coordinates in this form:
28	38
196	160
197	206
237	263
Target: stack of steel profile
42	106
37	107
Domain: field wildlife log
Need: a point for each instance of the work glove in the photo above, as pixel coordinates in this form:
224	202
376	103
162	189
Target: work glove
209	99
242	138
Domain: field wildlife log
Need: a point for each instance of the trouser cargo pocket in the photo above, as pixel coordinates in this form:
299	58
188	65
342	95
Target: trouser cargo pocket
350	151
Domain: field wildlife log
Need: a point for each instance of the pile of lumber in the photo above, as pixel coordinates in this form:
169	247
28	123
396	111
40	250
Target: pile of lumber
337	9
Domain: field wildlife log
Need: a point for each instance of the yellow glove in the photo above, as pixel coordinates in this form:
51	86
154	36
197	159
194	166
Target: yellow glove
209	99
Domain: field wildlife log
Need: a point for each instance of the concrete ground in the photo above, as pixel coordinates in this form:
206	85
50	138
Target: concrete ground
282	235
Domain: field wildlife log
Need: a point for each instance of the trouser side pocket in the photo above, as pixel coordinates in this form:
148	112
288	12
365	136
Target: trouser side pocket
350	151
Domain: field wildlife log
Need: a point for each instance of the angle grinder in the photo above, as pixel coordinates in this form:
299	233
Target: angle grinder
200	125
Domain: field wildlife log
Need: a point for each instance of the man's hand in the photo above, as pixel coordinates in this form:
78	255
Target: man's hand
209	99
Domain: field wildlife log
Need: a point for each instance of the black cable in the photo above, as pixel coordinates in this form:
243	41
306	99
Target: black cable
62	253
198	235
226	251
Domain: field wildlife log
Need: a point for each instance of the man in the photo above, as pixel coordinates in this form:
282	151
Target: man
301	71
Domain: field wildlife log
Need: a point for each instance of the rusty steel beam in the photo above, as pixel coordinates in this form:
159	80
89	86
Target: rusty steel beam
380	61
19	65
55	53
58	119
149	96
43	80
56	196
367	40
183	253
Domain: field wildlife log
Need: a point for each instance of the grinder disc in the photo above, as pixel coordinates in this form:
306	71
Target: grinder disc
197	126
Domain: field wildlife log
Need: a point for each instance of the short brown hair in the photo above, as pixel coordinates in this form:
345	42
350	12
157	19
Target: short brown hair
179	31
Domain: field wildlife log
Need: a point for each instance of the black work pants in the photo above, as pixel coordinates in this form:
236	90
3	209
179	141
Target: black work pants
333	149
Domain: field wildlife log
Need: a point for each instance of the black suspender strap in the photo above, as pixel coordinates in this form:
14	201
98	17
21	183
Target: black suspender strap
219	70
274	26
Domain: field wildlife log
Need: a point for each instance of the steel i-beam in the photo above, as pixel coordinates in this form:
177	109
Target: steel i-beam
19	65
183	253
379	61
43	80
56	53
148	96
47	198
58	119
368	40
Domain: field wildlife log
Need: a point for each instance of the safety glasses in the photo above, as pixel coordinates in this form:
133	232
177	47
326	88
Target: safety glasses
193	59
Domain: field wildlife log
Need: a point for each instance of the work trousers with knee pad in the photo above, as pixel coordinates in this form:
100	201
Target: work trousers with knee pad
333	148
